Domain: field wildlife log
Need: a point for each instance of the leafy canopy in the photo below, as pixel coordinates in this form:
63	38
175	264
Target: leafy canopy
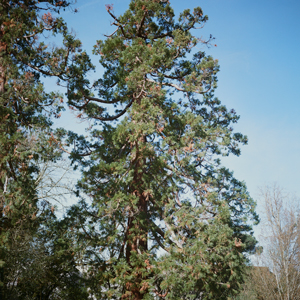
26	110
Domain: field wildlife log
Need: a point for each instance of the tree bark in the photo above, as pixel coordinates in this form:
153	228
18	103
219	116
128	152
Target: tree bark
137	240
3	47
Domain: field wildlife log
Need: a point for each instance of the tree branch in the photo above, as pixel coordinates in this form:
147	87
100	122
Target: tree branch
116	116
167	84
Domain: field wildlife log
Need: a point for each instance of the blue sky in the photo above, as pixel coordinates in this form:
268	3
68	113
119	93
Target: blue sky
258	48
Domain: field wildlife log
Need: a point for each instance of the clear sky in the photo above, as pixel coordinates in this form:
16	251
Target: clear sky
258	48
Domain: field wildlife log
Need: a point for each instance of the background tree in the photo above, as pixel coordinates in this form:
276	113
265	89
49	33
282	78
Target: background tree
26	109
168	220
42	264
277	271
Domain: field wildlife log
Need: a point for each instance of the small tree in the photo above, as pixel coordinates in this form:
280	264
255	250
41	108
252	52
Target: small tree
278	274
42	264
171	222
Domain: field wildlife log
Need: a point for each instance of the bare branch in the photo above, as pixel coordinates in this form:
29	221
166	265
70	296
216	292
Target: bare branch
108	36
139	27
116	116
167	84
173	235
101	100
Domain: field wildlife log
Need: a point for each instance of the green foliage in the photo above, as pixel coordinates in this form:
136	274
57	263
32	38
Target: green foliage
41	264
26	110
166	220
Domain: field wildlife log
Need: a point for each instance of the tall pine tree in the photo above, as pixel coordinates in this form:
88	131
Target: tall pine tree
171	222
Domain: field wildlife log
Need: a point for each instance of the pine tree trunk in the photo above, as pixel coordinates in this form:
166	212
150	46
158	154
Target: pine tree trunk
137	241
2	186
3	47
2	87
